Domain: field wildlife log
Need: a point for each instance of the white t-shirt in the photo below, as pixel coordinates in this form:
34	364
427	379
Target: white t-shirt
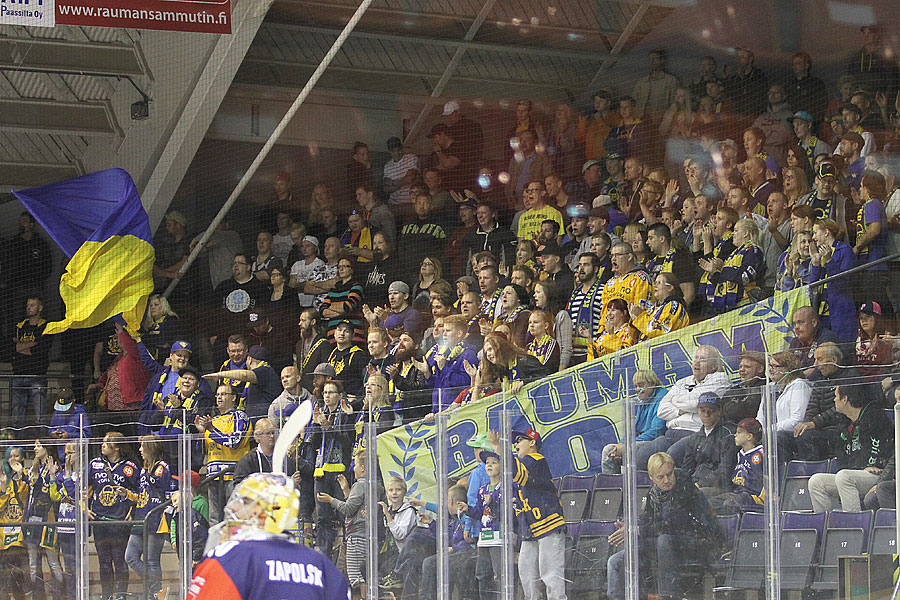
395	170
303	272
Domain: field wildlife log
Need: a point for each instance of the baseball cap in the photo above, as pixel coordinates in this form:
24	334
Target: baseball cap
479	440
393	143
613	156
181	345
194	476
399	286
486	454
450	107
587	165
803	116
709	399
345	323
325	369
177	216
751	426
65	400
530	434
437	129
871	308
602	200
827	170
311	239
256	316
551	248
258	353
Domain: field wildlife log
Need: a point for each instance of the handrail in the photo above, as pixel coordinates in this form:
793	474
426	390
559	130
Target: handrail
855	270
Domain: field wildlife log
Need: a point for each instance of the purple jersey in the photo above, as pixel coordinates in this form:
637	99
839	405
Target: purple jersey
272	569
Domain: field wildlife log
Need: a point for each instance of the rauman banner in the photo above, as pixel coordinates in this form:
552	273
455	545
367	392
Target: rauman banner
579	411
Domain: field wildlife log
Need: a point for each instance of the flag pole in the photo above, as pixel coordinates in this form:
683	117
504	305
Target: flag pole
270	143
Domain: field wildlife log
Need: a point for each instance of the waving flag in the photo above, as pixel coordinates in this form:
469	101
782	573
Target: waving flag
99	222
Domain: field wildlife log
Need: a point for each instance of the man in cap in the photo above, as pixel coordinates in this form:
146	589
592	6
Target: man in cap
526	166
615	183
277	337
710	454
399	172
467	204
594	130
177	415
323	373
803	124
163	380
69	420
302	270
824	199
398	315
466	131
542	555
742	399
585	189
477	476
555	269
261	378
578	237
348	359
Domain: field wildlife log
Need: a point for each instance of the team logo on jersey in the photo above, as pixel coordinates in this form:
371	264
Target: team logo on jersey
144	498
158	472
237	301
129	471
107	495
756	459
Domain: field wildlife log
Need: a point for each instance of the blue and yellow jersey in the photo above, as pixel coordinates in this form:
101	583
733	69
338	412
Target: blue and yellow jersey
103	479
156	484
227	440
13	500
748	474
669	316
625	337
738	276
537	503
633	287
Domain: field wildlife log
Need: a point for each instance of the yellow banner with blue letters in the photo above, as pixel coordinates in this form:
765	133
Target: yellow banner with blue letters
578	411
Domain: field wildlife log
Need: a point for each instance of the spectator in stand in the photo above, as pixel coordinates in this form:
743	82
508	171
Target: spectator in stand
794	263
442	206
738	279
430	276
281	239
711	454
359	171
647	425
398	314
871	235
655	92
585	306
667	258
562	144
549	298
264	257
537	211
159	328
746	491
747	86
815	436
863	451
514	303
331	435
446	371
422	235
593	130
377	216
589	186
883	494
554	267
488	236
331	226
378	343
399	173
238	295
679	406
219	251
489	285
807	92
851	116
793	391
873	66
348	359
302	270
445	157
809	333
69	421
181	409
618	331
413	396
523	275
630	283
456	240
542	344
226	439
357	239
741	401
313	347
31	358
261	382
873	353
830	256
172	250
344	302
542	556
668	314
467	132
803	129
676	524
291	396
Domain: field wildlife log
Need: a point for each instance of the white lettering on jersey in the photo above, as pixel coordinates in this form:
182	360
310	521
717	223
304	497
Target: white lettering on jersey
280	570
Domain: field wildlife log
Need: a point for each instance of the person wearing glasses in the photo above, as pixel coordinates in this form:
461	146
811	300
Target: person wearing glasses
630	283
344	301
239	294
530	222
793	391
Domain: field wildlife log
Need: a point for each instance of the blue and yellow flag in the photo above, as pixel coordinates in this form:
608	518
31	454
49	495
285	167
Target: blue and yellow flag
99	222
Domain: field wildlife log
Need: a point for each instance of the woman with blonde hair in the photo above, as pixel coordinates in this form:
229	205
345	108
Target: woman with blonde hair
319	199
159	329
737	281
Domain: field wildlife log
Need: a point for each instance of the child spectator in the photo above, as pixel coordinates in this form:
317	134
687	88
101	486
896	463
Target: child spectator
489	554
199	518
353	511
462	554
747	481
400	520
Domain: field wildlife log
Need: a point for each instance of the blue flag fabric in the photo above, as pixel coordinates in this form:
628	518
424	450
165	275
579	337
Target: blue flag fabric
99	222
